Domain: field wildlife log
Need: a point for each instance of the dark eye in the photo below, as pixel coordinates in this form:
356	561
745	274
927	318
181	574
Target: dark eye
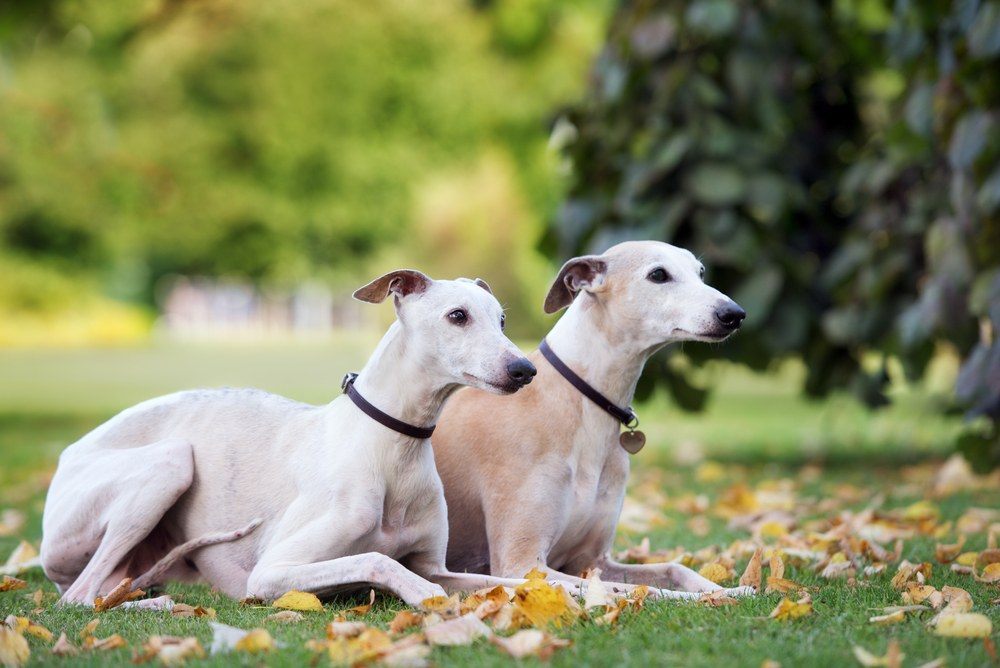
503	322
458	317
701	273
659	275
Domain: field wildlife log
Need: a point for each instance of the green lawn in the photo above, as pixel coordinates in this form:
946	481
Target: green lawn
757	427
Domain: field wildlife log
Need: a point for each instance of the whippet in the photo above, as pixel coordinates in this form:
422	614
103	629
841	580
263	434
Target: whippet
538	478
257	494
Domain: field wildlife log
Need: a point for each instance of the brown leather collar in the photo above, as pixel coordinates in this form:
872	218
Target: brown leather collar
386	420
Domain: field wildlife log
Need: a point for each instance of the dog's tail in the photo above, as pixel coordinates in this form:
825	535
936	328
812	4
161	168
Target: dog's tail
154	574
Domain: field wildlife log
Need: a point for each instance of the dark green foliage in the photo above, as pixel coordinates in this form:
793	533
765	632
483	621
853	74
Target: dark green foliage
835	163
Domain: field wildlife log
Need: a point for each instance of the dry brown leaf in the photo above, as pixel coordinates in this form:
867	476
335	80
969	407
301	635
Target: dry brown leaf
777	566
462	630
183	610
782	586
170	650
788	609
610	618
990	574
64	647
337	629
113	641
752	574
717	598
121	593
12	584
493	601
445	606
363	609
405	620
529	642
946	554
88	630
893	656
14	650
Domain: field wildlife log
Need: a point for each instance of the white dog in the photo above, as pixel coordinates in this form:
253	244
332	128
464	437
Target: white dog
257	494
538	479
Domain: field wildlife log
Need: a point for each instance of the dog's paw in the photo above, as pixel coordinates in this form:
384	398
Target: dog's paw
741	592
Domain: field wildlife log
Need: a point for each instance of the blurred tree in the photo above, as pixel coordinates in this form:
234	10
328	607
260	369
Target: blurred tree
835	163
276	141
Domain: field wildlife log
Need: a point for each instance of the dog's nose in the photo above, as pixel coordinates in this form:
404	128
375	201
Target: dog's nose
730	315
521	371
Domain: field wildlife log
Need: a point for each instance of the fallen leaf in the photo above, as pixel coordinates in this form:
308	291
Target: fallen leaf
990	574
529	642
891	618
302	601
364	608
535	574
12	584
782	586
170	650
967	559
64	647
113	641
121	593
183	610
14	650
964	625
406	619
446	606
717	598
752	574
946	554
255	642
410	656
23	557
715	572
285	617
338	629
893	656
777	566
11	521
539	603
459	631
788	609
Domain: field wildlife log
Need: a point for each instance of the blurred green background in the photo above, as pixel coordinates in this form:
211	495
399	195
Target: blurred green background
190	190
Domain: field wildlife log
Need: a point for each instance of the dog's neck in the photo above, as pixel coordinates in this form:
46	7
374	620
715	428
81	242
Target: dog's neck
396	381
609	359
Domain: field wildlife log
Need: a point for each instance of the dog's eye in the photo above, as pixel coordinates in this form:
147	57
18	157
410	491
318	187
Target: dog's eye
701	273
458	317
503	322
659	275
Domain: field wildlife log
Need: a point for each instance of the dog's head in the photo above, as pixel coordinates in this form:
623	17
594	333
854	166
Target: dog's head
648	290
455	328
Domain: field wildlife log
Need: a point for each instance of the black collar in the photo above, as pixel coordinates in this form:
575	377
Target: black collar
626	416
347	385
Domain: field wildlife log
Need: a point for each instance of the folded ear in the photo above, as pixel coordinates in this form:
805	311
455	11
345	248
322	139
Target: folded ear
401	283
580	273
484	285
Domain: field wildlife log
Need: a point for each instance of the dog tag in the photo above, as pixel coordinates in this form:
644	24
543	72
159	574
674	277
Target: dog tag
632	441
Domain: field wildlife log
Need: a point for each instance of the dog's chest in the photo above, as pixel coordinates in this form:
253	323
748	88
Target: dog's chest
594	495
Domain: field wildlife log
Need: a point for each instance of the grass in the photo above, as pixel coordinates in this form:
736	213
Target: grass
758	428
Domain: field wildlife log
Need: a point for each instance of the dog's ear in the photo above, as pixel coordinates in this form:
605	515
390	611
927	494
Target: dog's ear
580	273
484	285
401	282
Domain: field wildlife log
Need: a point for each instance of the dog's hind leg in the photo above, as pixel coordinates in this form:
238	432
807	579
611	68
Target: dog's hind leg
103	502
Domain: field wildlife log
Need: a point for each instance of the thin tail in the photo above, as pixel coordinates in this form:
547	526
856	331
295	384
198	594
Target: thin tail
153	575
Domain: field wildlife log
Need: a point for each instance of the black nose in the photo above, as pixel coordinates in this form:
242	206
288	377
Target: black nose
521	371
730	315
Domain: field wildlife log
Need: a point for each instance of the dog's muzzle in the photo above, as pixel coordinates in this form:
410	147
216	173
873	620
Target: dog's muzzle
521	372
730	316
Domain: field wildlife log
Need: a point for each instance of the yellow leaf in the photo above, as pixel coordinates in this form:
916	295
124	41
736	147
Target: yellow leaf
38	631
12	584
964	625
715	572
990	574
405	619
299	600
285	617
893	657
89	629
710	472
752	575
255	642
788	609
967	559
14	650
364	608
539	603
446	606
772	529
946	554
535	574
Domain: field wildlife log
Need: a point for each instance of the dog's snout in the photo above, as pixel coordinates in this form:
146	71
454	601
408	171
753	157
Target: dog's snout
521	371
730	315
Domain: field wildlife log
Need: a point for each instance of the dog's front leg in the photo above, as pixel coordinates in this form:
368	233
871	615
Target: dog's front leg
675	577
373	569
